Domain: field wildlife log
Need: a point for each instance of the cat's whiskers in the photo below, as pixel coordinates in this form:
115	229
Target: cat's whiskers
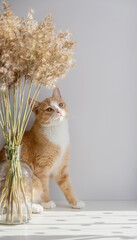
48	120
51	119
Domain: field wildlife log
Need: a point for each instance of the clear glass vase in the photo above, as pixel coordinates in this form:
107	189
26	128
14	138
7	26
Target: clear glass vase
15	188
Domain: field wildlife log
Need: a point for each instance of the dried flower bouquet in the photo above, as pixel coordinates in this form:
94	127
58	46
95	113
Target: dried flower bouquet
31	54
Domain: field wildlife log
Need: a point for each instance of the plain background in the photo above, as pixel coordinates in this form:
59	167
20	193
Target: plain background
101	92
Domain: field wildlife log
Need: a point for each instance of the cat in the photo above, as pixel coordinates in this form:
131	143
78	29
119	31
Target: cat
46	148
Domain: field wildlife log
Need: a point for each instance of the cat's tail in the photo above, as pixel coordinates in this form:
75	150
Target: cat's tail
37	188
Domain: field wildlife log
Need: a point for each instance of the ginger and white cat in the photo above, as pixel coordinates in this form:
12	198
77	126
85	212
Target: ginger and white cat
46	149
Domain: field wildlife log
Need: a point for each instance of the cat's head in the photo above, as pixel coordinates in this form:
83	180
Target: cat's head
52	110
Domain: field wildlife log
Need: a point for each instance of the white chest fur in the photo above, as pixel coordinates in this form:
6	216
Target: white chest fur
59	135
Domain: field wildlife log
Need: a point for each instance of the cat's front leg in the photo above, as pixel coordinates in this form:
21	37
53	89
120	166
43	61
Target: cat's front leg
64	183
45	197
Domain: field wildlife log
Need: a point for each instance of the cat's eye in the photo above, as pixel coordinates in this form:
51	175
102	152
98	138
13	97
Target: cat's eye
61	105
49	109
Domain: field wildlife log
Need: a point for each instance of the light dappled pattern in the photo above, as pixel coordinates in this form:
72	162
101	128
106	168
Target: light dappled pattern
75	225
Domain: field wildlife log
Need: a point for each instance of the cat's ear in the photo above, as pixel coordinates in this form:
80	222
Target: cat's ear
35	106
56	93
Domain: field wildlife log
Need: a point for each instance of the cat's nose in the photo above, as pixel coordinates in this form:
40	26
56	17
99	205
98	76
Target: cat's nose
58	111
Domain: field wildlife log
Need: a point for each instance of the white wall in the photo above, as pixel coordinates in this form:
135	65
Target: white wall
101	93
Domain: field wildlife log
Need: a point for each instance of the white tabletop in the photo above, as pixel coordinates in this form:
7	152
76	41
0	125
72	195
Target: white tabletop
99	220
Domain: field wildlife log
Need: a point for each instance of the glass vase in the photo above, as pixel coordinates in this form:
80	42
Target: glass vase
15	188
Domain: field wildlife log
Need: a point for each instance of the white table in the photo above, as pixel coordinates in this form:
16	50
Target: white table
100	220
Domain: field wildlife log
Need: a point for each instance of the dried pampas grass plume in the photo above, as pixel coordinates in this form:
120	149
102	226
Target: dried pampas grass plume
32	49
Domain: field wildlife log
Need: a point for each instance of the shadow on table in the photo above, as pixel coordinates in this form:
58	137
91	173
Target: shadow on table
84	237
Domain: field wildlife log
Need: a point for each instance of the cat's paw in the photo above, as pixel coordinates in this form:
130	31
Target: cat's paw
37	208
48	205
79	205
